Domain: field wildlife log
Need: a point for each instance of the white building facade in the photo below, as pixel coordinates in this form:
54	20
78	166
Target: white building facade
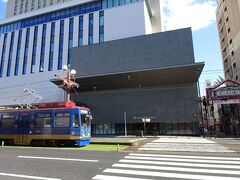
34	46
16	7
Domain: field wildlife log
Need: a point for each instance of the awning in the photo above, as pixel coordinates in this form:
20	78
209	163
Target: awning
184	74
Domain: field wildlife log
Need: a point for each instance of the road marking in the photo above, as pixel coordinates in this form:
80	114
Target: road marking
181	169
188	157
104	177
183	160
181	164
193	141
28	177
187	149
59	159
168	175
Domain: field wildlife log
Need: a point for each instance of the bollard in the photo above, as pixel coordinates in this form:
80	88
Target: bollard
117	147
2	143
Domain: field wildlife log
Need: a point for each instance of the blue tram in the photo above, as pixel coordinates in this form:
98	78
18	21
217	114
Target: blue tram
51	123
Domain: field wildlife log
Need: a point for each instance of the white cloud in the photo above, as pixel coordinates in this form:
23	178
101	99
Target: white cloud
4	1
197	14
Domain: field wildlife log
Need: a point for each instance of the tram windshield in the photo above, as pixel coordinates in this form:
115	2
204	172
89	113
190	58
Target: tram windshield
85	119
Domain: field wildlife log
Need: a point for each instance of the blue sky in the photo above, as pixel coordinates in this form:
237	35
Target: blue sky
198	14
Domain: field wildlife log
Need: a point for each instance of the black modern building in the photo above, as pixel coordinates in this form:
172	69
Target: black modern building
150	77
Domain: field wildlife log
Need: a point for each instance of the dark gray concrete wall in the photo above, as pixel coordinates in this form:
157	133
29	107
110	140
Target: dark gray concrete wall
172	104
144	52
164	104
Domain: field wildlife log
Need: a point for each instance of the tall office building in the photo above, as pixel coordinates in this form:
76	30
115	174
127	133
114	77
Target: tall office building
35	45
16	7
228	13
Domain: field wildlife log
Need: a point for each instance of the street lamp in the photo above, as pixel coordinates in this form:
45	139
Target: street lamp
67	82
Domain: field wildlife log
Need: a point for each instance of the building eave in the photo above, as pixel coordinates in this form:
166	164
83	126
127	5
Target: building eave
167	76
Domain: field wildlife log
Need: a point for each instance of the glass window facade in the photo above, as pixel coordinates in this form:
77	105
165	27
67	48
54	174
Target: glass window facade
70	40
3	54
34	50
53	16
101	26
51	51
10	54
43	45
114	3
18	53
153	129
90	29
26	52
62	14
60	50
80	31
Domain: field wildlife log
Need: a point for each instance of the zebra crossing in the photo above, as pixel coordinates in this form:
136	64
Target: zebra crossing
193	144
141	166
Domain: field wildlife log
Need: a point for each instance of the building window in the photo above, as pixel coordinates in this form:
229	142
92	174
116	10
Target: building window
101	26
70	40
3	54
53	16
90	29
80	31
60	50
18	53
103	129
34	50
26	52
10	55
42	55
51	51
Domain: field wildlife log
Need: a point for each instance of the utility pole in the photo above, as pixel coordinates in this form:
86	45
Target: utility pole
125	122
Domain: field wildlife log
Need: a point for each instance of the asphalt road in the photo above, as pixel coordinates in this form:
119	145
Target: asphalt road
76	165
57	164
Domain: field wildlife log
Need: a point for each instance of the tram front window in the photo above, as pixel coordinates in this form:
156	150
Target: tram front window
85	118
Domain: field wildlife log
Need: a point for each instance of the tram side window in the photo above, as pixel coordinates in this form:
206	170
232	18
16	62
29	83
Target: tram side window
43	120
8	121
75	121
62	120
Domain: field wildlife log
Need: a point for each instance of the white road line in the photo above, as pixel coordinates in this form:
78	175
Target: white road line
181	169
186	149
183	160
27	177
59	159
188	157
169	175
104	177
197	141
180	164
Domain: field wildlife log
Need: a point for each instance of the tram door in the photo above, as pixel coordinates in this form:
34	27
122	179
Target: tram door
23	133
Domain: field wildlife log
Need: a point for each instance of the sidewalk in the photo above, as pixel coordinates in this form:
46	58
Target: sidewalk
230	143
130	141
174	143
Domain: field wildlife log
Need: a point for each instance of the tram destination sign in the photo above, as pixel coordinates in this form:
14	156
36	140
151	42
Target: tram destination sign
224	92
